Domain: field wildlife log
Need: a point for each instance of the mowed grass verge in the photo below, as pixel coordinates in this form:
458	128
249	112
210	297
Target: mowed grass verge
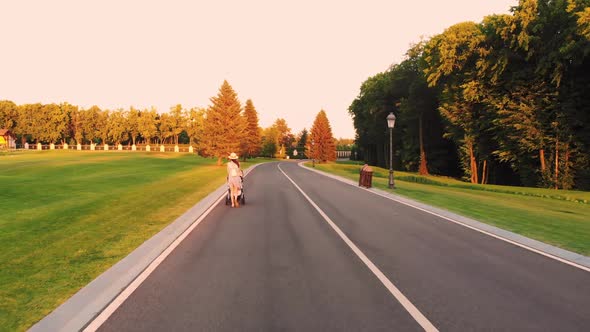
67	216
557	217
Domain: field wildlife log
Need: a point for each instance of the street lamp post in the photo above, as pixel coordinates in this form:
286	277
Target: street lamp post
390	125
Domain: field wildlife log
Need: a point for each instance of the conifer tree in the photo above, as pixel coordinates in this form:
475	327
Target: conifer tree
320	145
252	140
302	143
224	125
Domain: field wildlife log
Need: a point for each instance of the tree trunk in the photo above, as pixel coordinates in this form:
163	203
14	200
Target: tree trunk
567	159
483	172
542	157
474	178
423	170
219	161
557	163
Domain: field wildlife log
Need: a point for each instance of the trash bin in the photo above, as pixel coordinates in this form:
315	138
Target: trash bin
366	176
362	176
369	177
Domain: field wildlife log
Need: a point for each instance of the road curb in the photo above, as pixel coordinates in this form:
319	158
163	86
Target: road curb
83	307
547	249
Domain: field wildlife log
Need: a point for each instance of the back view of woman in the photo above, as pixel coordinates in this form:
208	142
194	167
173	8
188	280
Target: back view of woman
234	178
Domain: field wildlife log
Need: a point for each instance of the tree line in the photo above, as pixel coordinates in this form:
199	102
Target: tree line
224	127
67	123
503	101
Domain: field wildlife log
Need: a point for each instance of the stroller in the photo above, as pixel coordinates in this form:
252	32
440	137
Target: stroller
241	196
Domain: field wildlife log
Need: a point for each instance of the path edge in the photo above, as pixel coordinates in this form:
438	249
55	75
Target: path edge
86	304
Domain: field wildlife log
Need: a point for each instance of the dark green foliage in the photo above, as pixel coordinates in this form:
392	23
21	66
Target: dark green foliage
301	143
507	100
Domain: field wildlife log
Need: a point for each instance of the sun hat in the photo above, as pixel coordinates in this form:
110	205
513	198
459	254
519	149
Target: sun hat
233	155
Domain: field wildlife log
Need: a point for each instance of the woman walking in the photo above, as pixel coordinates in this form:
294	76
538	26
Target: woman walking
234	178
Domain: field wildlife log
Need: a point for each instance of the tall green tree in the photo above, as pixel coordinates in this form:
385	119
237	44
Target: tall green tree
195	118
166	128
451	62
284	137
117	124
224	124
26	123
513	92
102	126
148	124
270	138
133	123
90	123
55	127
378	95
302	143
177	121
8	114
76	128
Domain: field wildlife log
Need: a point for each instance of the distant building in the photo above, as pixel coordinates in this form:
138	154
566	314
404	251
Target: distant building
7	139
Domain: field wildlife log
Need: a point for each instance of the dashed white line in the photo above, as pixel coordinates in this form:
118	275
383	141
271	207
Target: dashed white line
403	300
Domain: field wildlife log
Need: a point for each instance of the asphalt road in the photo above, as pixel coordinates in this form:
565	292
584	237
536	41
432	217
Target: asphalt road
275	264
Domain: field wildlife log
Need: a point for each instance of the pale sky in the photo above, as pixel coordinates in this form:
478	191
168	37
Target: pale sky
292	58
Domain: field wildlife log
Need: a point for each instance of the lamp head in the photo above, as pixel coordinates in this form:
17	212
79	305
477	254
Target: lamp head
391	120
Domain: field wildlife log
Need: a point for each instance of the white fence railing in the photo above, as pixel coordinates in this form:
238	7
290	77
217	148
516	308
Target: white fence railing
141	147
106	147
343	153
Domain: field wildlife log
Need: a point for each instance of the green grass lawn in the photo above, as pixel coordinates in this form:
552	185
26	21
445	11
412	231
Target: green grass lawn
67	216
557	217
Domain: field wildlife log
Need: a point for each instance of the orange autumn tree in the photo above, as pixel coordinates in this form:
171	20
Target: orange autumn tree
320	144
224	126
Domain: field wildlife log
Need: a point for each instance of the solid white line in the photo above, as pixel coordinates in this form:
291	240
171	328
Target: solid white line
110	309
524	246
412	310
493	235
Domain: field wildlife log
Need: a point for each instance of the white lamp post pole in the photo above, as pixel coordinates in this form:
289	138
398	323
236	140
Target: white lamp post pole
391	124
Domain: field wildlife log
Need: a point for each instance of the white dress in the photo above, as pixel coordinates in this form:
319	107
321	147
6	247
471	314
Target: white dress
234	175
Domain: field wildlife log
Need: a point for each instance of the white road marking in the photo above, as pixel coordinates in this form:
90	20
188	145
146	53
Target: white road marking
524	246
412	310
113	306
